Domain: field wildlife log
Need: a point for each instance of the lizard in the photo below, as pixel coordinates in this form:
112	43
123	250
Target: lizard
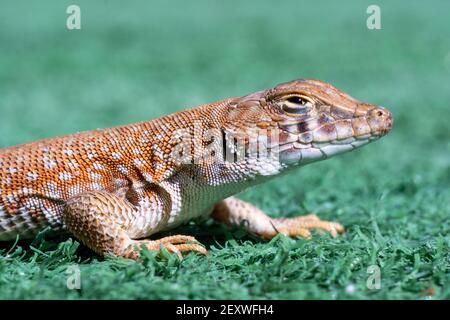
115	188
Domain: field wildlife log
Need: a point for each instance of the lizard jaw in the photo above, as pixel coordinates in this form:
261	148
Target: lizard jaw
334	138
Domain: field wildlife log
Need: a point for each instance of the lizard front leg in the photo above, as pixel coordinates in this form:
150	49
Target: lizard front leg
107	223
233	211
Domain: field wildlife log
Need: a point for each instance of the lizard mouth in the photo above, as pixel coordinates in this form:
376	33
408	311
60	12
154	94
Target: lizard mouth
322	141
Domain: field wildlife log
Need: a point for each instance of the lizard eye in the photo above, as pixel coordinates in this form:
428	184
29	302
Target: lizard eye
296	105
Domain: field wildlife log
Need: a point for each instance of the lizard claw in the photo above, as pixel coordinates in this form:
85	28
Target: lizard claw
177	244
301	226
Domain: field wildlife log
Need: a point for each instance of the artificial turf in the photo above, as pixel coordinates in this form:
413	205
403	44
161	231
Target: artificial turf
139	60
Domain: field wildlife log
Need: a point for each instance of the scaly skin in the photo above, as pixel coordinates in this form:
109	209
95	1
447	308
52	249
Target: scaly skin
111	188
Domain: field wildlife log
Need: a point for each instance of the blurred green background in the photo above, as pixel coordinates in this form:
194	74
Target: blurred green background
137	60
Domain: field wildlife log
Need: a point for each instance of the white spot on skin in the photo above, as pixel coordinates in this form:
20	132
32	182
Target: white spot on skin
119	183
98	166
45	149
96	186
116	155
26	190
10	198
12	170
91	154
137	151
139	162
165	126
49	163
68	152
31	176
65	176
147	176
73	164
122	169
95	176
144	140
7	181
157	151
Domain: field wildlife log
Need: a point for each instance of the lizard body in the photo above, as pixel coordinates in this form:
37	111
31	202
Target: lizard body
113	187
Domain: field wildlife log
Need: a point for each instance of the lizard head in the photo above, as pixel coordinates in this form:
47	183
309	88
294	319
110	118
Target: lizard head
314	120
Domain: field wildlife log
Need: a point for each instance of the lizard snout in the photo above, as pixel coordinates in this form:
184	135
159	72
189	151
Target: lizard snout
380	120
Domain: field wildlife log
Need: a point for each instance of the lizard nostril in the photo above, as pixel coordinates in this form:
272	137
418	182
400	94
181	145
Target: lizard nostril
381	117
381	112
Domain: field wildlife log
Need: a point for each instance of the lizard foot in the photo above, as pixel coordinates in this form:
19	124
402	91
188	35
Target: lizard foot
174	244
301	226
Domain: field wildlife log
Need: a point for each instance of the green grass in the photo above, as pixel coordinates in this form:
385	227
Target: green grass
132	62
